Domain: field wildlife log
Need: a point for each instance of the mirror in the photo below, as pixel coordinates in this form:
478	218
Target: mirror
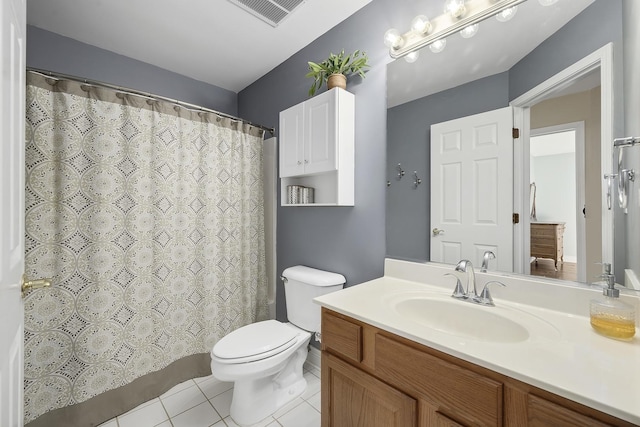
503	61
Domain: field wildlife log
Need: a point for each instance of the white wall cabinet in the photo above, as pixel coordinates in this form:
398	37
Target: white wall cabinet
317	148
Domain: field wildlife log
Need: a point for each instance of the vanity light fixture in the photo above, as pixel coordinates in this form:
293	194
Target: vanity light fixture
438	45
412	56
460	16
469	31
507	14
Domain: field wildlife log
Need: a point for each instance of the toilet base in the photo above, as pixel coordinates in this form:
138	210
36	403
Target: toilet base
256	399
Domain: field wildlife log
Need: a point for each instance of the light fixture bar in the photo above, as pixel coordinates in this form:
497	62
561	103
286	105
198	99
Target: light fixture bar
444	25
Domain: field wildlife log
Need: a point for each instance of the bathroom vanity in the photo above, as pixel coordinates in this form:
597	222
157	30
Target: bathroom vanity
387	362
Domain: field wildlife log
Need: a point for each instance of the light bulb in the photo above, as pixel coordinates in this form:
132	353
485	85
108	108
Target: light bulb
469	31
455	8
393	39
547	2
421	25
507	14
438	45
412	57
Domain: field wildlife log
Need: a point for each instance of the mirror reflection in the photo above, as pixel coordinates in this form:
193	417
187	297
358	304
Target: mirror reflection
554	180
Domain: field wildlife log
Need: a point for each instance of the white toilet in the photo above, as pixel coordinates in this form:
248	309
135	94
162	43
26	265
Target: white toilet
265	359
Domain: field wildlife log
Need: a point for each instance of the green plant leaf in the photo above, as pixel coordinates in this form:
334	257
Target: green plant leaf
354	63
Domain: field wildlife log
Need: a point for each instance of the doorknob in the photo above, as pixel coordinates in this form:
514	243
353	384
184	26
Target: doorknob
437	231
28	285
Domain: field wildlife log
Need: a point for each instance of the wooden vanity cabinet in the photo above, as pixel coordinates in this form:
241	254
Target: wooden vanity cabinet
372	378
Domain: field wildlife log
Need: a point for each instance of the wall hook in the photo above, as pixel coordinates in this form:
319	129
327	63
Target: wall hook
400	172
416	181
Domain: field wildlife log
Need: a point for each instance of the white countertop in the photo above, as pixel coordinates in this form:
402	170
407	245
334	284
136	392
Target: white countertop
564	356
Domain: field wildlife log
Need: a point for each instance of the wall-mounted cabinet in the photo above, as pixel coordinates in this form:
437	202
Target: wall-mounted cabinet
317	148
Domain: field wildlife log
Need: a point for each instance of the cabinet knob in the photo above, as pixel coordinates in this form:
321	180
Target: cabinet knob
299	162
306	162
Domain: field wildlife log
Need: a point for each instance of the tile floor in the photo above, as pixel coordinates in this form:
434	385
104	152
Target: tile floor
205	402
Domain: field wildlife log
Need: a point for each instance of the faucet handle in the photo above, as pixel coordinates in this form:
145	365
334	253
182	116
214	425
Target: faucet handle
459	290
485	296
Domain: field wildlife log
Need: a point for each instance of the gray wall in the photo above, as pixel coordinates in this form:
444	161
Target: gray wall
408	143
347	240
53	52
593	28
408	216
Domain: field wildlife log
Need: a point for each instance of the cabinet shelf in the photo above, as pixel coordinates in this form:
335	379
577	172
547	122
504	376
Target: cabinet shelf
317	148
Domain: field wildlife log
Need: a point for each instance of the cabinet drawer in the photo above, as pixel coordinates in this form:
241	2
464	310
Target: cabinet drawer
544	233
543	251
453	391
342	336
543	413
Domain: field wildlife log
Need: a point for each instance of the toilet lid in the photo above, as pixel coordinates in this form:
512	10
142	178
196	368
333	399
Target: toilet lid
257	340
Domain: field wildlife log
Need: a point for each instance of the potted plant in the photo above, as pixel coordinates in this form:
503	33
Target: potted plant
335	69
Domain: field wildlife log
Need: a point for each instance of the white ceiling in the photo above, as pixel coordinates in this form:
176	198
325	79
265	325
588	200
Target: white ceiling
213	41
496	48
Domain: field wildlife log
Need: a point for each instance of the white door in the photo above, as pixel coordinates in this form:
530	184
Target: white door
12	91
472	189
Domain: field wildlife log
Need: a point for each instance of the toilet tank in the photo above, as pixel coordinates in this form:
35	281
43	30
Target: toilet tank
301	285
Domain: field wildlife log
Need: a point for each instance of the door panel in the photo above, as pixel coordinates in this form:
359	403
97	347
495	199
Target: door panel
472	188
12	89
356	399
291	144
320	125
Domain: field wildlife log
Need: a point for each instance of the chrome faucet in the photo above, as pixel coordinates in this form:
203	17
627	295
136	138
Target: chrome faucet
484	298
465	266
485	260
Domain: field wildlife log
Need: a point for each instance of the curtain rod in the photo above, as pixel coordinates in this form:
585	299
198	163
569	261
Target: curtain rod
193	107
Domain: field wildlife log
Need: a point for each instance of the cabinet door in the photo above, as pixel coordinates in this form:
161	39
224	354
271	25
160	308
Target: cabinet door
353	398
320	121
291	141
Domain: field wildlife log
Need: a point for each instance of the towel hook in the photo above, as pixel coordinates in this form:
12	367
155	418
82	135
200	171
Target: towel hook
416	181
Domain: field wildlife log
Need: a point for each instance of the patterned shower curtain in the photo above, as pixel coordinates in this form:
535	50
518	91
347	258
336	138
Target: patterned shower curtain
149	219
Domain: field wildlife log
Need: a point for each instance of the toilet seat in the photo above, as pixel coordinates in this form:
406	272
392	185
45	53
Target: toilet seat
254	342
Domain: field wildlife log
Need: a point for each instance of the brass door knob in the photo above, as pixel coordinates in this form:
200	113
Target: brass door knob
28	285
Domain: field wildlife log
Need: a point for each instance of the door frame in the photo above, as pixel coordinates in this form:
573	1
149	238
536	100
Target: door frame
603	59
579	146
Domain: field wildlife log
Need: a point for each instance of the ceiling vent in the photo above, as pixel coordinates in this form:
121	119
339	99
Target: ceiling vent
270	11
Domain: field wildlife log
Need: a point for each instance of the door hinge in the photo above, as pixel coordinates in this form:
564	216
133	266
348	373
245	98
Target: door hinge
516	218
515	132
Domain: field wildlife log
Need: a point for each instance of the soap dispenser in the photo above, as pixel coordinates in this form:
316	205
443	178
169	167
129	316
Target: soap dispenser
610	316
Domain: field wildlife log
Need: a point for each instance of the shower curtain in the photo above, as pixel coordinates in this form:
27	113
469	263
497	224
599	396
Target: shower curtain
149	219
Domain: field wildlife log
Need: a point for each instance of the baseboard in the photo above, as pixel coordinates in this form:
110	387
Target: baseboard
313	360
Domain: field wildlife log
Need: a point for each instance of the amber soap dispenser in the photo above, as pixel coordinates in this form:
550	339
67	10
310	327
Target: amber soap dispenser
610	316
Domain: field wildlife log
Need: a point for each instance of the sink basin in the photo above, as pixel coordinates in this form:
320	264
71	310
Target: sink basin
471	321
